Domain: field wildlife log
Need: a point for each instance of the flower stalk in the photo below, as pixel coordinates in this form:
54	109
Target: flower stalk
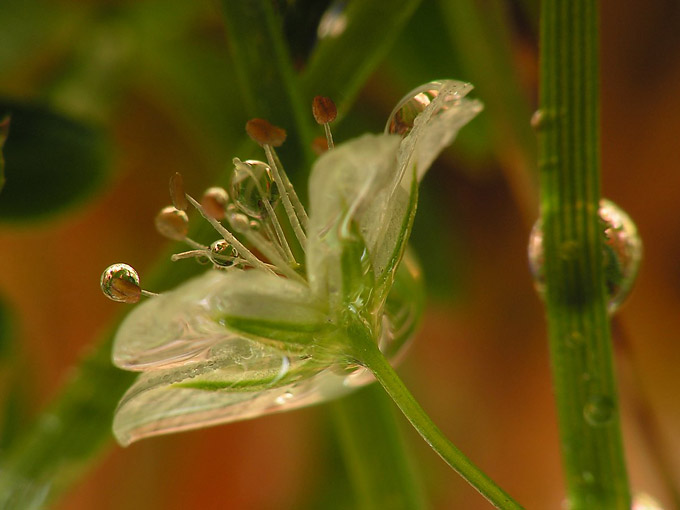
576	296
374	360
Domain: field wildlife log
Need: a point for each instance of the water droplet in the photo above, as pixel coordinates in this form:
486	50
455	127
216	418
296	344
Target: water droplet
283	398
599	410
120	282
172	223
588	477
222	253
538	119
251	184
621	254
643	501
214	202
412	104
541	119
333	22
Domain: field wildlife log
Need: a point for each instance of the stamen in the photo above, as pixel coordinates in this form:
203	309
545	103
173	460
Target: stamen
241	224
214	201
297	204
286	197
191	254
172	223
265	133
120	282
325	112
177	192
269	136
249	194
229	237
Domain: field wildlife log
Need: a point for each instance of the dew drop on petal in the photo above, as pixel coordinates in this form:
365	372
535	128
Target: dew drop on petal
621	257
251	184
172	223
599	410
120	282
404	114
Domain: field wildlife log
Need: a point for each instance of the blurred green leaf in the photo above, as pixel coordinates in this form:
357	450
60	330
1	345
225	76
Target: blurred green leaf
371	440
4	132
269	86
51	162
342	63
482	32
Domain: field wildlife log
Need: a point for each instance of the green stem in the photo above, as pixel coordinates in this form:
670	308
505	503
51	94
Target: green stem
575	297
370	355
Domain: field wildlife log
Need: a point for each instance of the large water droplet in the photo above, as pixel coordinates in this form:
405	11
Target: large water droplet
222	253
621	257
120	282
251	184
412	104
599	410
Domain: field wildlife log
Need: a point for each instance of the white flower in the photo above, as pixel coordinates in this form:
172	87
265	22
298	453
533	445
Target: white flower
262	337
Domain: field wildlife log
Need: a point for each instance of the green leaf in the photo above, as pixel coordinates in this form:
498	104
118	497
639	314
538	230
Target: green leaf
341	64
51	162
269	87
366	422
4	131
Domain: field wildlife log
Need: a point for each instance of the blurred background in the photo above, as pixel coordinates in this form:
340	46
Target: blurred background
109	98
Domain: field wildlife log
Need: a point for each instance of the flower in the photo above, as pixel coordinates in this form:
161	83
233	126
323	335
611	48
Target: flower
261	335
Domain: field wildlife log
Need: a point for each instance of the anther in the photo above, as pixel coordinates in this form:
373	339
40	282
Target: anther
177	192
325	112
265	133
172	223
214	201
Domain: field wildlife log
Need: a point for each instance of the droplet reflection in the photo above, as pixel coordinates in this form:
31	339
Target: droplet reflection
622	253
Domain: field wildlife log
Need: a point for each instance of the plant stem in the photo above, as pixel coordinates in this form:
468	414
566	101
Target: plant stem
369	354
576	297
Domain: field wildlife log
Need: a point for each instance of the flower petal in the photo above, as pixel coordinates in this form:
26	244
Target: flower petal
246	380
184	325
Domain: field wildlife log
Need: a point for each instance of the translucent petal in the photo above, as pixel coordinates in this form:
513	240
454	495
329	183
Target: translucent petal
241	378
185	324
370	179
345	182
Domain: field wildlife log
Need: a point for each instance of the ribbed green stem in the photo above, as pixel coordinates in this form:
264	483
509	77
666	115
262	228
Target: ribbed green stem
579	335
367	351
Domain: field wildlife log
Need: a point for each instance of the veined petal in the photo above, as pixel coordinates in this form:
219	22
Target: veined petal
242	379
345	183
187	323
